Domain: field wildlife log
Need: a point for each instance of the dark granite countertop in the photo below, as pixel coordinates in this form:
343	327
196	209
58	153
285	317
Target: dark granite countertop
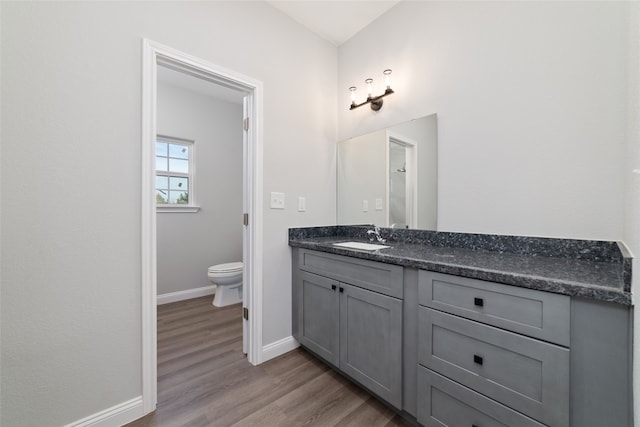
591	269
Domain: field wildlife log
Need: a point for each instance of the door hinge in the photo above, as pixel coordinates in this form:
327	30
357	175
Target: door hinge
245	123
245	313
245	219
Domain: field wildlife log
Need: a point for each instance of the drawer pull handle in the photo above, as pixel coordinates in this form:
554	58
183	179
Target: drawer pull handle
333	287
477	359
479	302
474	425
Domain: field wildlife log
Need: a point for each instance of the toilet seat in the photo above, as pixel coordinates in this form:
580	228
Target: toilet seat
231	267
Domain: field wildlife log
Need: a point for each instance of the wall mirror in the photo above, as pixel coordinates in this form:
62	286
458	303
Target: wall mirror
389	177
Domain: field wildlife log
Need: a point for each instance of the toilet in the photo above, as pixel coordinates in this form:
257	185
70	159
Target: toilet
228	281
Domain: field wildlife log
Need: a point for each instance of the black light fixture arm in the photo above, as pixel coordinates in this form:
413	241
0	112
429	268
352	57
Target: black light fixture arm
374	101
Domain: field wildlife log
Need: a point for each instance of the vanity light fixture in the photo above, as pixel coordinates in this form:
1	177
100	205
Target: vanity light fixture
375	101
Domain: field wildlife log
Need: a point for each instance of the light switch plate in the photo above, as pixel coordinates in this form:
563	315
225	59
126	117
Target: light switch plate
378	204
277	200
302	204
365	206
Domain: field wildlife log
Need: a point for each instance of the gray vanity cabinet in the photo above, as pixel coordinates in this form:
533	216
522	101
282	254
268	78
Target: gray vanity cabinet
357	330
455	351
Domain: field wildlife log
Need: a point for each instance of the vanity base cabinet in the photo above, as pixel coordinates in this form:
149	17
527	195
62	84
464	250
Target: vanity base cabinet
455	351
357	330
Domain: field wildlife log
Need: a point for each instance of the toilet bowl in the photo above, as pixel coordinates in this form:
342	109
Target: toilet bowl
228	281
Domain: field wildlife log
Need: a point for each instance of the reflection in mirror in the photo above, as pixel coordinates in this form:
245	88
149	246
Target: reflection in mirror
389	177
400	195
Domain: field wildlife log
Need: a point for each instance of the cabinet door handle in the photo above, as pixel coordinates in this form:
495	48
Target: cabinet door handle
478	302
477	359
341	289
333	287
474	425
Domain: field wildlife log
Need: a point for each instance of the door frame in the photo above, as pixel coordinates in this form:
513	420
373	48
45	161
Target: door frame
154	53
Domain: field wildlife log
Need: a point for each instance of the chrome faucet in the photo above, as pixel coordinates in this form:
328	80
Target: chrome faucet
375	234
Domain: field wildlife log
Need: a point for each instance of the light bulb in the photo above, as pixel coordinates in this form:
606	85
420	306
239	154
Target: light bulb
353	95
369	83
387	78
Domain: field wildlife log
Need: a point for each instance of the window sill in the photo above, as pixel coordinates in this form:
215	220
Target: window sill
177	209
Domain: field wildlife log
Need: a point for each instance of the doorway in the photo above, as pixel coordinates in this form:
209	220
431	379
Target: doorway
402	181
155	55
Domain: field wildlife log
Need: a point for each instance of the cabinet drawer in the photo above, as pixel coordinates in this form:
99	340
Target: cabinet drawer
537	314
525	374
442	402
375	276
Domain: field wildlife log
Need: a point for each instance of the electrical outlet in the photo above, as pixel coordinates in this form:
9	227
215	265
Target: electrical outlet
277	200
378	204
365	206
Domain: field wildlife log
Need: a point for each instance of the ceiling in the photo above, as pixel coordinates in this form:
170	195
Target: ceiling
334	20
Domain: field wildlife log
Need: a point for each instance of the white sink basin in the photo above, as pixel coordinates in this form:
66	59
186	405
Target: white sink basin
360	245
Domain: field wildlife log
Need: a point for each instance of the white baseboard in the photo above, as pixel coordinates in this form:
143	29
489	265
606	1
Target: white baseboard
188	294
278	348
115	416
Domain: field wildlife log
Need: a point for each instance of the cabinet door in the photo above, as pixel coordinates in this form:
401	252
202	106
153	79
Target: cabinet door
371	341
318	316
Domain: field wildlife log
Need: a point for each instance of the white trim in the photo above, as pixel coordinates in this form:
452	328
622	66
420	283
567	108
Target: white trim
177	208
117	415
252	235
154	54
148	234
186	294
279	347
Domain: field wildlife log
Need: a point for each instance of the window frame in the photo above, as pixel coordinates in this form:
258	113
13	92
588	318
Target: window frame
192	206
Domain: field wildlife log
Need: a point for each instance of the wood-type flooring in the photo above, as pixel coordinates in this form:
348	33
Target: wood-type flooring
204	379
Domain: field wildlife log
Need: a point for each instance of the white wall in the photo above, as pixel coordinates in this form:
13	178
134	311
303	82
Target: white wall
530	99
188	243
71	113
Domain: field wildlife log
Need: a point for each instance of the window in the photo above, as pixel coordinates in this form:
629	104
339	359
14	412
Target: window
174	172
